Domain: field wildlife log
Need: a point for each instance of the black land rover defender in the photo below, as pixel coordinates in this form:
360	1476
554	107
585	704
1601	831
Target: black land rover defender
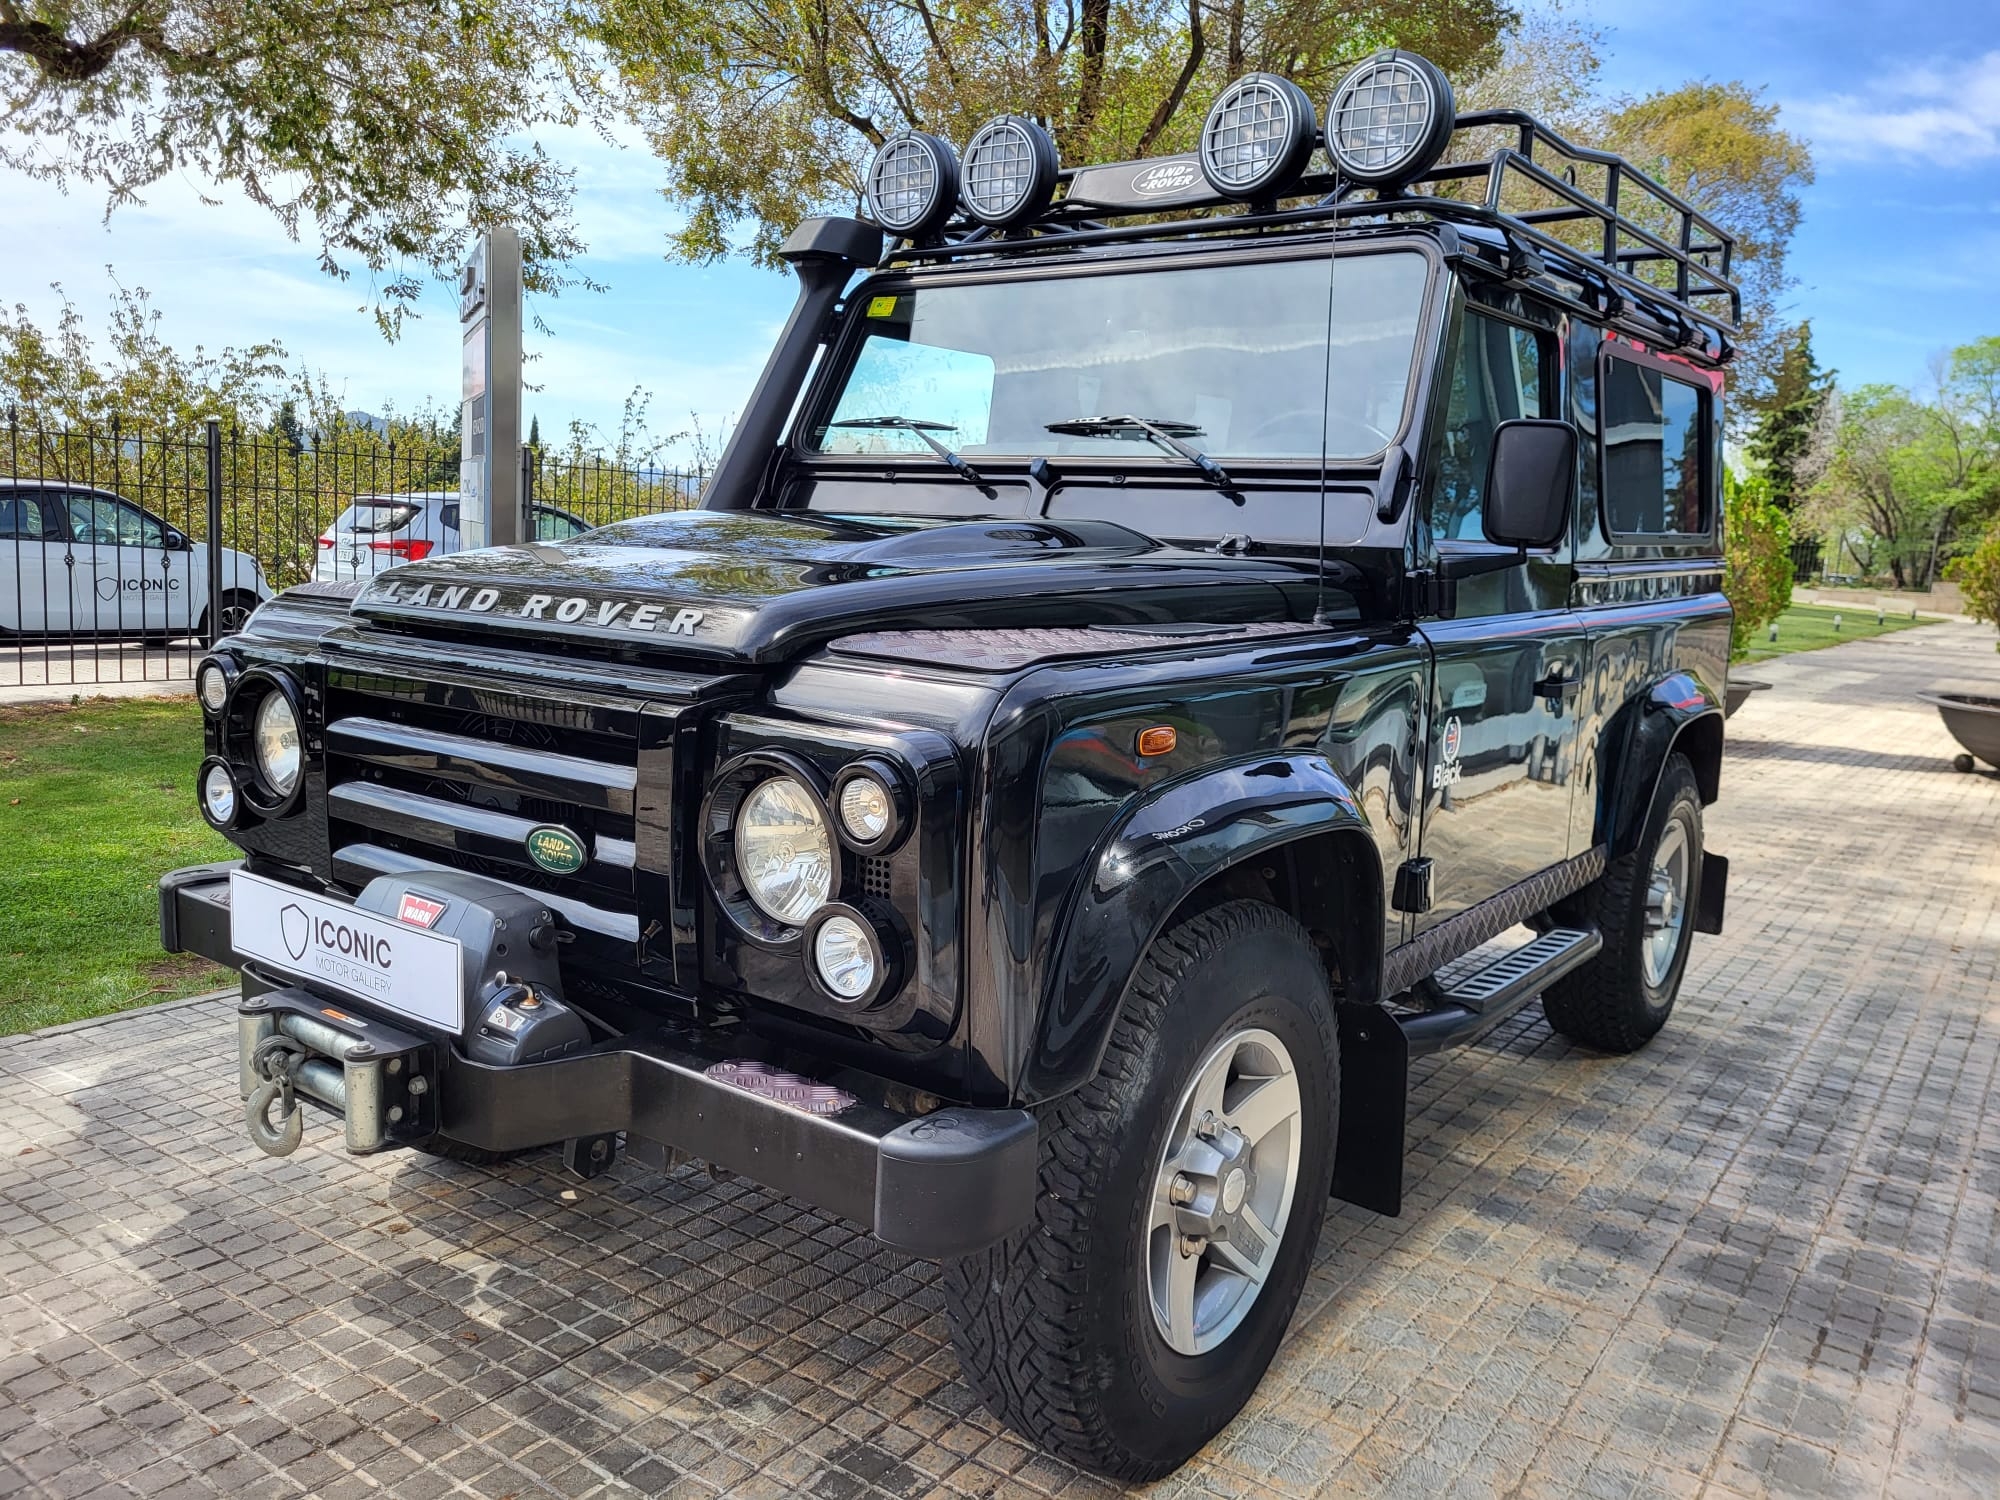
1156	631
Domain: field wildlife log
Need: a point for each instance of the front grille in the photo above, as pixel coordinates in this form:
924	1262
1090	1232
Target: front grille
455	771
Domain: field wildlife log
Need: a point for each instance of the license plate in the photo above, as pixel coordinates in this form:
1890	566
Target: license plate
368	957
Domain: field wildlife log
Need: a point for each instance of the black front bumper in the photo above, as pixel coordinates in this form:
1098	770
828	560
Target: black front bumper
941	1184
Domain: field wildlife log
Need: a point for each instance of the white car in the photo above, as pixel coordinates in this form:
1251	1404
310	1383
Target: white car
380	531
81	561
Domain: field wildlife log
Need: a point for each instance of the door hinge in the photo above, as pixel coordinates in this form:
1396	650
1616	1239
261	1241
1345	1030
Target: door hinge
1413	886
1433	594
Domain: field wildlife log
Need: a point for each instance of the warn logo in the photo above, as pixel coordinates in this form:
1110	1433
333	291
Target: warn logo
419	911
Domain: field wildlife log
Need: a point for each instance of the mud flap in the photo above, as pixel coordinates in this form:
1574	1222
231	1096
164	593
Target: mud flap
1374	1080
1714	893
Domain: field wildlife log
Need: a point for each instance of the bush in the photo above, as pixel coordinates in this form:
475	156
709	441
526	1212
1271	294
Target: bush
1757	558
1977	574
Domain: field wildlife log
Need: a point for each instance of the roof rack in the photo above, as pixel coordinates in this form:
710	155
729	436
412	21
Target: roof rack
1587	217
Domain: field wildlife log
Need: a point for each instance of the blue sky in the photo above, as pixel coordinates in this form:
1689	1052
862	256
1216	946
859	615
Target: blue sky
1899	255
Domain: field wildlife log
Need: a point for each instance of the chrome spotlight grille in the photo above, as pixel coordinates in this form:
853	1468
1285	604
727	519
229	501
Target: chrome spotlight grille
1382	115
1249	129
999	169
904	183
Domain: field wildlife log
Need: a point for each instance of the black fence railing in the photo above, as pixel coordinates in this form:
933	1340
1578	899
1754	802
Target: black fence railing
124	554
1807	560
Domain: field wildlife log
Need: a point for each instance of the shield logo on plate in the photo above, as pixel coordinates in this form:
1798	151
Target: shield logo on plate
555	849
296	928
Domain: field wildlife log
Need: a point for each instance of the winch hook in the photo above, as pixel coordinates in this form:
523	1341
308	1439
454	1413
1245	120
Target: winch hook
276	1059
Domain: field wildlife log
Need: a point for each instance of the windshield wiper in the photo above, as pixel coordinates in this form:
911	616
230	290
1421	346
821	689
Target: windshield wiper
922	431
1162	432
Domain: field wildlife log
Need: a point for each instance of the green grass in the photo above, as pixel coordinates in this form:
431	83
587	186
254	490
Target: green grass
96	800
1807	627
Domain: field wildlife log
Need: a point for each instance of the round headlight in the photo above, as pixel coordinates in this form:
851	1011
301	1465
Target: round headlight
218	794
913	183
211	685
274	744
1390	119
784	850
1010	172
1258	136
866	810
844	953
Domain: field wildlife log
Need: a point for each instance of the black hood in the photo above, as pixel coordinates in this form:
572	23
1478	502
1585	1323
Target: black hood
751	586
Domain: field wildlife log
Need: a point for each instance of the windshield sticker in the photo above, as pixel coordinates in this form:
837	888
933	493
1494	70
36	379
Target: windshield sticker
882	307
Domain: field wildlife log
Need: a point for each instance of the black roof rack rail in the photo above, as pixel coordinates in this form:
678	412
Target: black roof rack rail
1634	227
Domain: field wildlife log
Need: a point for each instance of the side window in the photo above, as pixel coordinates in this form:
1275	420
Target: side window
1502	372
448	516
1655	452
21	519
97	520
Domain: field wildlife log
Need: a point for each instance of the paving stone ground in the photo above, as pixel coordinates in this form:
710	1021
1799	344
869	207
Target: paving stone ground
1758	1258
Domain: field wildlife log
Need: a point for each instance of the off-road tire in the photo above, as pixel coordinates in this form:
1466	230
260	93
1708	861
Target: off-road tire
1608	1003
1052	1326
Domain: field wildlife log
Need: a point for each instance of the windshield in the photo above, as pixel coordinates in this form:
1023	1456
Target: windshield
1232	360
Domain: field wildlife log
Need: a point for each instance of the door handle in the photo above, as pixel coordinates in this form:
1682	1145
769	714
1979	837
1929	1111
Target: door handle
1558	689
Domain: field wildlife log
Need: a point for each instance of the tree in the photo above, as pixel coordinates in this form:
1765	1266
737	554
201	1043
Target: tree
535	433
286	425
386	126
764	115
1783	436
56	378
1718	146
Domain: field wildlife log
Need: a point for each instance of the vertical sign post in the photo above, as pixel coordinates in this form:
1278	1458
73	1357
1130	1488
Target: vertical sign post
489	316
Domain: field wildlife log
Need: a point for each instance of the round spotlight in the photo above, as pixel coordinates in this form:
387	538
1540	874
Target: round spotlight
1010	172
1390	119
913	184
872	804
218	794
1258	136
846	957
211	685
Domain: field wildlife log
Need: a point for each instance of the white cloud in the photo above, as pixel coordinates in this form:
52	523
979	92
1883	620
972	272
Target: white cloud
1944	113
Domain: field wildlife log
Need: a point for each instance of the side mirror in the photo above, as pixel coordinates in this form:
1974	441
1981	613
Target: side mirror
1529	483
174	541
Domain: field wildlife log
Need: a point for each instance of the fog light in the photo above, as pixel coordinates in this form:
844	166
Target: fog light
218	794
845	954
211	685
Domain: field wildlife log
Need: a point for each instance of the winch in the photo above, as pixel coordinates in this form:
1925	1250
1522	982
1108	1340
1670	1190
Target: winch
297	1040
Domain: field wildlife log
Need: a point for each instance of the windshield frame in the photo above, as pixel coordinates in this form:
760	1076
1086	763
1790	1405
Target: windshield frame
837	359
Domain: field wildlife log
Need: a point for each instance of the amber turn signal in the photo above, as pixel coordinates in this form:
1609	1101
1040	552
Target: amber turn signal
1158	740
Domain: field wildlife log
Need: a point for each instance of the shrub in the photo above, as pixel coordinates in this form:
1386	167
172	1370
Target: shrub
1757	553
1977	574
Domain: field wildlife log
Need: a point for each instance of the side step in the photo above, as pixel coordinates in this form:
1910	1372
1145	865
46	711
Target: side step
1477	1002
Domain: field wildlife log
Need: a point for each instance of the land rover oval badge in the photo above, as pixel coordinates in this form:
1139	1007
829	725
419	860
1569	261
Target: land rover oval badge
556	850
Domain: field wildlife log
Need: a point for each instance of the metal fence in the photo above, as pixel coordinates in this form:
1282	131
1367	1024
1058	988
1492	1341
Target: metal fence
124	554
1806	560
